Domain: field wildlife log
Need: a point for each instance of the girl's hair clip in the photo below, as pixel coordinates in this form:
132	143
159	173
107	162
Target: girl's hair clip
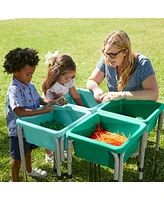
50	57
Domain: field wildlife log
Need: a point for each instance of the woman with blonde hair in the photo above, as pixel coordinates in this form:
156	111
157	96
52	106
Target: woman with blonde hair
129	75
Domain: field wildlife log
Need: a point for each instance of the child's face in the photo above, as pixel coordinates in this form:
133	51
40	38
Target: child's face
66	77
25	74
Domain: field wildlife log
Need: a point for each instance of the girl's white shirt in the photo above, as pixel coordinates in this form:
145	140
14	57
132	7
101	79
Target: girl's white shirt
59	88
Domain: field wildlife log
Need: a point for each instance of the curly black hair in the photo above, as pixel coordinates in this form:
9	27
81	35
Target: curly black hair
17	58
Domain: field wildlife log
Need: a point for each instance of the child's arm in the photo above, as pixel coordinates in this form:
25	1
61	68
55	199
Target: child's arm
20	111
56	96
75	95
59	102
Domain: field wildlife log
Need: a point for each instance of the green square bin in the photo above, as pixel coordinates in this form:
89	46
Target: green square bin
67	115
140	110
87	99
99	152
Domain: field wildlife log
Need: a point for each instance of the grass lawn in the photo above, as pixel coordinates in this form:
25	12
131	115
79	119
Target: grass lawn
82	39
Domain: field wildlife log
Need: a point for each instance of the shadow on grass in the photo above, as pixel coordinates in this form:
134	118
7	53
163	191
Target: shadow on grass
80	171
80	168
154	165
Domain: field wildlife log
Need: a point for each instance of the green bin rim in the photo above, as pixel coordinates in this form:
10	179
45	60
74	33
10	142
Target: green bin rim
116	149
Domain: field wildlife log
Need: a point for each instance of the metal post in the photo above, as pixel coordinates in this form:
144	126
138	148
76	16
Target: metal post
57	157
143	143
141	146
116	165
62	149
139	155
69	159
121	162
146	136
159	129
22	154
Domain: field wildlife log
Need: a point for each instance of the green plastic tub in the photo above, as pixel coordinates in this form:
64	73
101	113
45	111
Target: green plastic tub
99	152
140	110
67	115
87	99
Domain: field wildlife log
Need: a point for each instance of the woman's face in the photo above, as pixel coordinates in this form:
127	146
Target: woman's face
113	56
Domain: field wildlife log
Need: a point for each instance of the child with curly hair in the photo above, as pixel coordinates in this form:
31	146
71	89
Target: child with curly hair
22	99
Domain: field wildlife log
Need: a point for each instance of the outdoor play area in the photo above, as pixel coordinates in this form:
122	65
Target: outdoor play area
139	124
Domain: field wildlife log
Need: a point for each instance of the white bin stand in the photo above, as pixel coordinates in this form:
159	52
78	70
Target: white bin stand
142	147
58	160
159	129
22	154
143	142
121	166
69	159
62	149
116	166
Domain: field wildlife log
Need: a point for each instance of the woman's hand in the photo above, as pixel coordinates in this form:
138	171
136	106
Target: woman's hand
98	93
111	96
